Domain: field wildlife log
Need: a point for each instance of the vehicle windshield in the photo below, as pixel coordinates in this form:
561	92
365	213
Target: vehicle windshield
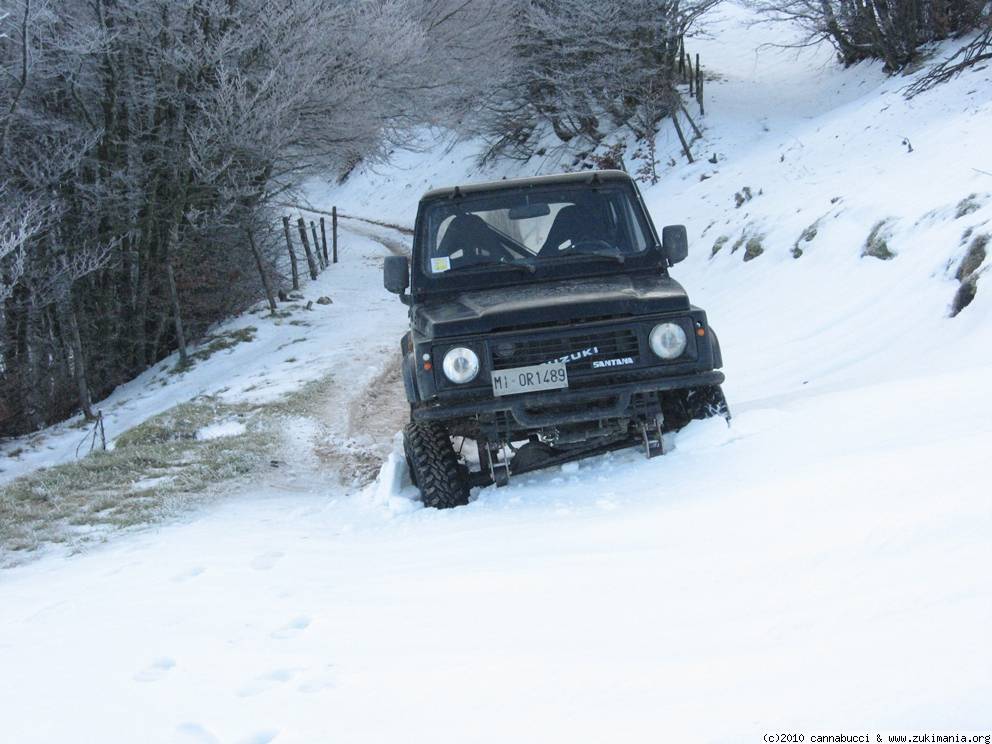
530	228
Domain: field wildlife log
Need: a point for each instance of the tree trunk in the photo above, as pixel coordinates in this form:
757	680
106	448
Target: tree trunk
156	342
22	80
174	298
70	325
30	381
848	51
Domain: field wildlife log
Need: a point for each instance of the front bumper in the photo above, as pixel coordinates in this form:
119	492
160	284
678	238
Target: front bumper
613	401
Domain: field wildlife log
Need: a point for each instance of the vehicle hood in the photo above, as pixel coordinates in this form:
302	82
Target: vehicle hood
572	300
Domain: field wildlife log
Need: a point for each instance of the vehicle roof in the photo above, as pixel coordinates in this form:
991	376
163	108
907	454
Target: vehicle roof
589	176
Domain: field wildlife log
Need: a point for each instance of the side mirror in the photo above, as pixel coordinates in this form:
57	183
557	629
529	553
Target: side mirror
396	274
675	243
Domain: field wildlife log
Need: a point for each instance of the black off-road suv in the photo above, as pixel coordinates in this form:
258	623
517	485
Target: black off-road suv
545	327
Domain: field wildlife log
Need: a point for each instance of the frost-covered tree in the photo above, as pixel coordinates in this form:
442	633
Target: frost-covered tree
584	69
890	30
145	145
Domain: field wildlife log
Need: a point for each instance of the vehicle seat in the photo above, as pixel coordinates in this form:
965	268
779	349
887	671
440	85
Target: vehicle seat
469	234
572	223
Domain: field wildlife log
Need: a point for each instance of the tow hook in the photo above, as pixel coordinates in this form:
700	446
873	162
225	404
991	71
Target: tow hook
654	445
498	470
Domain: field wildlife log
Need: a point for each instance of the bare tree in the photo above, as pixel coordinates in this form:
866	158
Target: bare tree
974	52
144	143
17	227
875	29
583	70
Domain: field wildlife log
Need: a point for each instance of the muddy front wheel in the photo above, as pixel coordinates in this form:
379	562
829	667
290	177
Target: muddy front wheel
434	467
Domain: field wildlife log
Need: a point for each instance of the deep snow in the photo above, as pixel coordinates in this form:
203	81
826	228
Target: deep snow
822	565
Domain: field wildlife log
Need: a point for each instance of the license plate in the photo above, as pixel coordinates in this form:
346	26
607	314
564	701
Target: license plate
528	379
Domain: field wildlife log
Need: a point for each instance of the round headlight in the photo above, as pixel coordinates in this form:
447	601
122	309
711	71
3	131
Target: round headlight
667	340
460	365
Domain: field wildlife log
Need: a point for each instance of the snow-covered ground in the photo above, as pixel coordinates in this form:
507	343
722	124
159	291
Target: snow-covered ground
822	565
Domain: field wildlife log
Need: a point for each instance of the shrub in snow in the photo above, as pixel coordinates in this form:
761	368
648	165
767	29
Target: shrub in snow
742	196
877	244
965	294
967	205
968	272
720	242
974	258
806	236
754	248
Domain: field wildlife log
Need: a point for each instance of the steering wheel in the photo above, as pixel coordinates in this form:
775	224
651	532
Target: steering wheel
502	254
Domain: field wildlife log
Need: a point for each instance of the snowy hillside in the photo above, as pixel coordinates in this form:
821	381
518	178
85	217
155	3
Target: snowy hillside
819	566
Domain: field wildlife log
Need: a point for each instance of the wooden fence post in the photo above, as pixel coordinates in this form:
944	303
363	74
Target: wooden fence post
695	128
334	233
269	294
699	86
688	63
316	245
311	262
292	253
323	242
681	134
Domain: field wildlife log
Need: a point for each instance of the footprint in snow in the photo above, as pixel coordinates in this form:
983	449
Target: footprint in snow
265	561
196	734
155	671
266	682
292	628
324	680
189	573
260	737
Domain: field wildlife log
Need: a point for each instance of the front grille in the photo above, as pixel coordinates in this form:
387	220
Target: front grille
581	350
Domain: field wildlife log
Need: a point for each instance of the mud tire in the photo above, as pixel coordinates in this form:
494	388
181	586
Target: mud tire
433	465
708	402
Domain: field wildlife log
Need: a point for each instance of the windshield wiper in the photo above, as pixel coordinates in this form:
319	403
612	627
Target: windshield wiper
612	255
498	266
528	267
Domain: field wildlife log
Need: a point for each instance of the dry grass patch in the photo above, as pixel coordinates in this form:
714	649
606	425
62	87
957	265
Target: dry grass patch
154	470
